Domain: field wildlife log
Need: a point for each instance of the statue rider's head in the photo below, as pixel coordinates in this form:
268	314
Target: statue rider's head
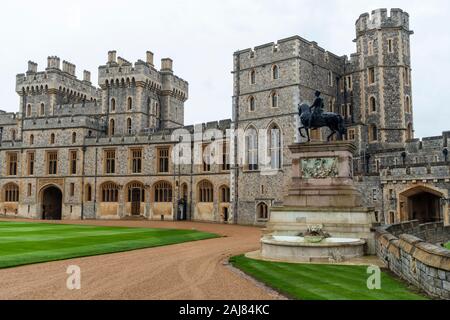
317	94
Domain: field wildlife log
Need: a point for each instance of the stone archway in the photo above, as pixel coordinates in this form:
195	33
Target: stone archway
421	203
51	203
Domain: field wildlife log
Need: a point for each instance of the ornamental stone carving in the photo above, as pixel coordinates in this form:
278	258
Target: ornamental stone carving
319	168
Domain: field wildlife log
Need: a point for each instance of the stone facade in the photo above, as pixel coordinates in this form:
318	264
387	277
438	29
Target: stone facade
426	265
139	110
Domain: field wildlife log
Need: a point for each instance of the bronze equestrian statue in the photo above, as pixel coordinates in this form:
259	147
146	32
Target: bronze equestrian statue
313	117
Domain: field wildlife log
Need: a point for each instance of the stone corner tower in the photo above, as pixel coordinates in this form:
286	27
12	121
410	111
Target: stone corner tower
382	70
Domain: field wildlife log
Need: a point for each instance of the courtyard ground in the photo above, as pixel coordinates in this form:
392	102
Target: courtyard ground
324	282
190	270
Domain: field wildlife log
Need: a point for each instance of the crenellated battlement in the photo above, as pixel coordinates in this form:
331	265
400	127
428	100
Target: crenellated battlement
119	72
380	18
292	47
55	79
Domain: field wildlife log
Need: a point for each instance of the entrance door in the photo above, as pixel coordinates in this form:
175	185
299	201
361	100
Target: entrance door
52	204
136	202
425	207
225	215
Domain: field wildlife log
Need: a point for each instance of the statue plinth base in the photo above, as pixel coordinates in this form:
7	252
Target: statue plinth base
322	192
322	176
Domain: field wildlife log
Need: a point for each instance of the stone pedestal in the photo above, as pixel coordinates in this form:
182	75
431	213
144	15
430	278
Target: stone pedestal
322	192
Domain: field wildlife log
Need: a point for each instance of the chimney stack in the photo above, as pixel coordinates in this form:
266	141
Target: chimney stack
53	62
86	76
32	67
166	65
150	58
69	68
112	56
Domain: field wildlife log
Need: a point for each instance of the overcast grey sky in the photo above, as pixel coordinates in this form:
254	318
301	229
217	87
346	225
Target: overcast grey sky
201	36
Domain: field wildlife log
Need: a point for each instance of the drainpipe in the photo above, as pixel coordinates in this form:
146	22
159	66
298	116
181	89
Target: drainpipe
95	183
82	179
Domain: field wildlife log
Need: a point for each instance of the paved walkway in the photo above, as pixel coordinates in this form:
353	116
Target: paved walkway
192	270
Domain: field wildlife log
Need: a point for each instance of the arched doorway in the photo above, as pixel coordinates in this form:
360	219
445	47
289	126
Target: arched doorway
421	203
51	203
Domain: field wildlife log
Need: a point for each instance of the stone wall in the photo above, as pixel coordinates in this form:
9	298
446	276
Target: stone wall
421	263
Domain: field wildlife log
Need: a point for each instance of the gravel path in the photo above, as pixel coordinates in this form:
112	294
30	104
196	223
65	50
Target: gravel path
195	270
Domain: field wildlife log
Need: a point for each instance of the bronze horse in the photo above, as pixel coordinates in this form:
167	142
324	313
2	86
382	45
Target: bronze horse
333	121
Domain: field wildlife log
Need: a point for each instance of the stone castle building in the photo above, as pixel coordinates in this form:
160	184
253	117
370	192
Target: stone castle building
75	150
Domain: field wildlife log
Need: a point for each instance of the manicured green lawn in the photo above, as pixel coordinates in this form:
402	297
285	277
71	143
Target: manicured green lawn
323	282
25	243
448	246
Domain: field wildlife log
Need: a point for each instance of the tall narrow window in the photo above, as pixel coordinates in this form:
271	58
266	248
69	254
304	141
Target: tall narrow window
408	104
136	160
275	72
330	78
73	161
206	158
29	189
274	100
13	134
371	75
163	160
372	104
12	163
410	132
251	104
373	133
251	143
28	113
252	77
42	110
390	46
349	83
31	159
112	127
72	189
130	103
407	76
88	193
31	140
74	137
52	162
52	138
113	105
129	126
275	147
224	194
225	156
110	161
370	48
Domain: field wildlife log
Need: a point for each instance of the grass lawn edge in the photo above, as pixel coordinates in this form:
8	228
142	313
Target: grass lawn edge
235	263
117	247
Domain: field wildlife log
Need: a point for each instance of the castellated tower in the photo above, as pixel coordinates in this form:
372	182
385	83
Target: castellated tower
140	99
380	77
41	92
46	97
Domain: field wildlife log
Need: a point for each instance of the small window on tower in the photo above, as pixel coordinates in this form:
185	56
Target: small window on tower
390	46
371	75
370	48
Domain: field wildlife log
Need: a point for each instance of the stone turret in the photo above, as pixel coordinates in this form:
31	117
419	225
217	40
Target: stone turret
383	66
